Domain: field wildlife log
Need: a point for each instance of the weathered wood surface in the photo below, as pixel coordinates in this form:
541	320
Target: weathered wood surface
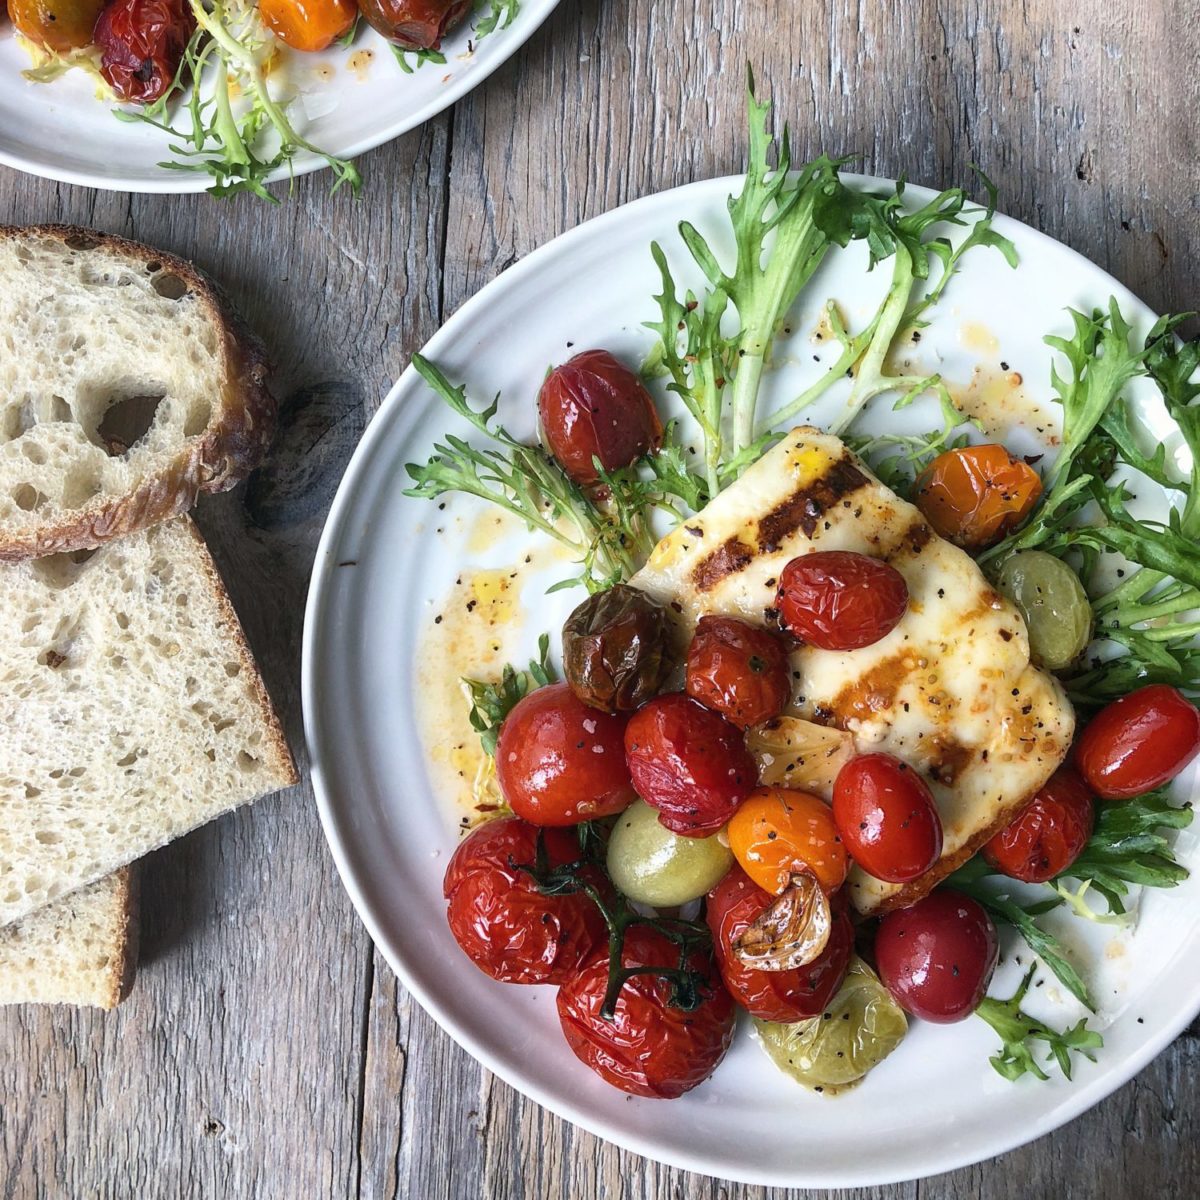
267	1050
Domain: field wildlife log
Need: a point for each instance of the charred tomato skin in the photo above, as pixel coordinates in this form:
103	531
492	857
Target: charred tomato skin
1050	833
414	24
594	406
648	1048
840	600
783	996
559	762
974	495
1138	743
141	44
689	763
887	818
937	957
507	928
738	670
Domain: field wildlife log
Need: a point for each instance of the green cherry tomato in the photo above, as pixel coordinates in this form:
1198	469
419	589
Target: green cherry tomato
654	866
1053	603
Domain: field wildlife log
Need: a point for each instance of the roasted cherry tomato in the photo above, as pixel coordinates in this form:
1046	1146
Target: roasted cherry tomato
887	817
594	406
559	762
937	957
778	832
505	925
414	24
839	600
56	25
975	495
308	24
738	670
1050	833
142	44
648	1047
784	996
1143	740
689	763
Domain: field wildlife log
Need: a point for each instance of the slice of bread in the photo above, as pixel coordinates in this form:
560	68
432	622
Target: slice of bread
81	949
127	388
131	711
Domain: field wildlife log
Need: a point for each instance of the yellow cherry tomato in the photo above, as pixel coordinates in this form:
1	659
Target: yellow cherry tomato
308	25
777	832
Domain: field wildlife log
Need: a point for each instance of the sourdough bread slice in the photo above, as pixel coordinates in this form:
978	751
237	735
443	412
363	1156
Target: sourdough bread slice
127	388
81	949
131	711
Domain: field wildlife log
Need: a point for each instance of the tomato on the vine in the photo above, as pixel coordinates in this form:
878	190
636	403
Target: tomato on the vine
840	600
649	1047
595	407
1050	832
1139	742
504	924
559	762
738	670
974	495
783	996
689	763
778	832
887	817
937	957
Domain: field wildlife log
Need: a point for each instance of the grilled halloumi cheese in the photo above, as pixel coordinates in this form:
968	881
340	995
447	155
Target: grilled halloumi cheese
950	690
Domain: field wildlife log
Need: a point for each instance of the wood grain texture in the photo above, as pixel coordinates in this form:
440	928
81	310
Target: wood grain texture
267	1050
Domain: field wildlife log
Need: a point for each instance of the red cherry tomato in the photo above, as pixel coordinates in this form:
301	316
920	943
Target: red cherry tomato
594	406
141	45
689	763
1142	741
738	670
937	957
507	928
1050	833
560	762
648	1048
784	996
838	600
415	24
887	817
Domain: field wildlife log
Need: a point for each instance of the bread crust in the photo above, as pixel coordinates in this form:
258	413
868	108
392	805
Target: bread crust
125	952
239	431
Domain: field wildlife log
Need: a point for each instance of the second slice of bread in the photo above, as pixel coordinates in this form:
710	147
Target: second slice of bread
131	711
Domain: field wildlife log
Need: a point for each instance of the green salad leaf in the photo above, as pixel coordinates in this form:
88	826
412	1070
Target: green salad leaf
492	702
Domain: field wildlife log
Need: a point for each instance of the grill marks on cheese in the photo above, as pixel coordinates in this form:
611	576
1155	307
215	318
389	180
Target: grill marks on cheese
949	690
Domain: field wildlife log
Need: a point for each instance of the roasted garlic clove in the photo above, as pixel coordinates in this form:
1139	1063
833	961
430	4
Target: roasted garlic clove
791	933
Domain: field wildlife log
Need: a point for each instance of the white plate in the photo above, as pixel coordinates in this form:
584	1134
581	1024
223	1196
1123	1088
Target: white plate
936	1103
62	131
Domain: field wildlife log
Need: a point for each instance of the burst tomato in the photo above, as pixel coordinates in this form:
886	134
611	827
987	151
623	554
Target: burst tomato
649	1047
594	406
738	670
142	44
689	763
308	25
503	923
778	832
887	817
839	600
975	495
937	957
1142	741
783	996
1050	833
559	762
415	24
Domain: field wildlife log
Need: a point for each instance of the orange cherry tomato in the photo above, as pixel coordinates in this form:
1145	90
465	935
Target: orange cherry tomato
975	495
56	25
779	831
308	25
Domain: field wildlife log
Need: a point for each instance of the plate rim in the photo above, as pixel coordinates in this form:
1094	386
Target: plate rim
180	183
1082	1097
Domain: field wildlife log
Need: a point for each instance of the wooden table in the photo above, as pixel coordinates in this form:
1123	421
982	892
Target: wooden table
267	1049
